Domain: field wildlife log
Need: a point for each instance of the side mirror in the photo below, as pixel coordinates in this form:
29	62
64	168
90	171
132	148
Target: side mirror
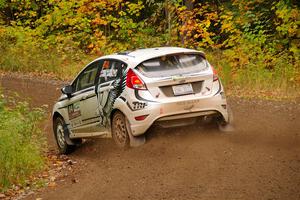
67	90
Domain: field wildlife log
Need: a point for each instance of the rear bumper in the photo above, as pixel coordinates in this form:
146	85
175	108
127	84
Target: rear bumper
178	110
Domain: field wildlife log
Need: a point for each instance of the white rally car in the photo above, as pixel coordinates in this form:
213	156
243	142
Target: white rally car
123	94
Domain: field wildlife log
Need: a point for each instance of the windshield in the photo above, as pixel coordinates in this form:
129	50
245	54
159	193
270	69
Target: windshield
171	65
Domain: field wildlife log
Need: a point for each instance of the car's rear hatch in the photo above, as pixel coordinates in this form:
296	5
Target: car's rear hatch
177	76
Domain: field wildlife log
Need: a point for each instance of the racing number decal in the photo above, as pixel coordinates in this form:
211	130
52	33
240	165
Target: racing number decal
74	110
139	105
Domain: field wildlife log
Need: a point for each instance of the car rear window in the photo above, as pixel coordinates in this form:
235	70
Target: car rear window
171	65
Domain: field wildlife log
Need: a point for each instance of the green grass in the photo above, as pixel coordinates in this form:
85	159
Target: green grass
21	143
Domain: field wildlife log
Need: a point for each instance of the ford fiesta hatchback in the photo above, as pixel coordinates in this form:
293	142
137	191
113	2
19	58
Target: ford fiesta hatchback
123	94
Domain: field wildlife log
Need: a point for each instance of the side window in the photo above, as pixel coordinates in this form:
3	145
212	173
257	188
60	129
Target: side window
111	69
87	77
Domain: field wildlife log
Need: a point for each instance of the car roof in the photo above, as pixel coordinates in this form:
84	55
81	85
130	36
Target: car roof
137	56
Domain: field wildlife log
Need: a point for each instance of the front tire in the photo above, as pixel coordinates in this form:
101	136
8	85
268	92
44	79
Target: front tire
59	133
119	130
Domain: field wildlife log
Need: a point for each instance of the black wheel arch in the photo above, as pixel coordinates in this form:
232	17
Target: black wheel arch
112	115
55	116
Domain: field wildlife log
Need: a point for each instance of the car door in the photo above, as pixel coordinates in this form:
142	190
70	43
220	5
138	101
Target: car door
109	87
83	110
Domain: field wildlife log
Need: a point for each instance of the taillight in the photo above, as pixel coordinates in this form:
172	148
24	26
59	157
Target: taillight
140	118
215	74
134	82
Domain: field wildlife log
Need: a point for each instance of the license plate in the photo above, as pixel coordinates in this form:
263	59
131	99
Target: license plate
182	89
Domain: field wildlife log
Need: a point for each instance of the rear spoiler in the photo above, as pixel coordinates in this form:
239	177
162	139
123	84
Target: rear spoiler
201	53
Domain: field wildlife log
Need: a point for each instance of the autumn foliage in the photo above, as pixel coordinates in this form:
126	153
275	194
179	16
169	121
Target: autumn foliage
254	41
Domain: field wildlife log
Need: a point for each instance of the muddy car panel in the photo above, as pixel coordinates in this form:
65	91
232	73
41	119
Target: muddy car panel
134	84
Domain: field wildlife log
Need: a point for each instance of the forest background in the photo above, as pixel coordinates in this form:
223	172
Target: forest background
254	44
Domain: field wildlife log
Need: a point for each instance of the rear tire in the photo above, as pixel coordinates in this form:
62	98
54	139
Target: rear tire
119	130
59	134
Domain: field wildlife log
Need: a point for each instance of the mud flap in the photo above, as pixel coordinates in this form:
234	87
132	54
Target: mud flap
227	126
67	135
135	141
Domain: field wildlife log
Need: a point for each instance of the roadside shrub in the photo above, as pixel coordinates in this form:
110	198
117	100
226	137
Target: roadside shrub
21	143
256	66
24	50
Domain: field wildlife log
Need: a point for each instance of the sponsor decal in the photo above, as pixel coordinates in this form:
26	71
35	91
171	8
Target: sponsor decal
74	110
109	96
178	77
189	102
161	111
76	122
189	107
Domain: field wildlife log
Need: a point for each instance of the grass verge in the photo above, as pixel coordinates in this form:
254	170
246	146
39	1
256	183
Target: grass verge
21	143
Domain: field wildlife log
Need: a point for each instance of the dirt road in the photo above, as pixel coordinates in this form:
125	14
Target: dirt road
259	160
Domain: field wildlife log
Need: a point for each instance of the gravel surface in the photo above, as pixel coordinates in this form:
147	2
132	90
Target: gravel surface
259	160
